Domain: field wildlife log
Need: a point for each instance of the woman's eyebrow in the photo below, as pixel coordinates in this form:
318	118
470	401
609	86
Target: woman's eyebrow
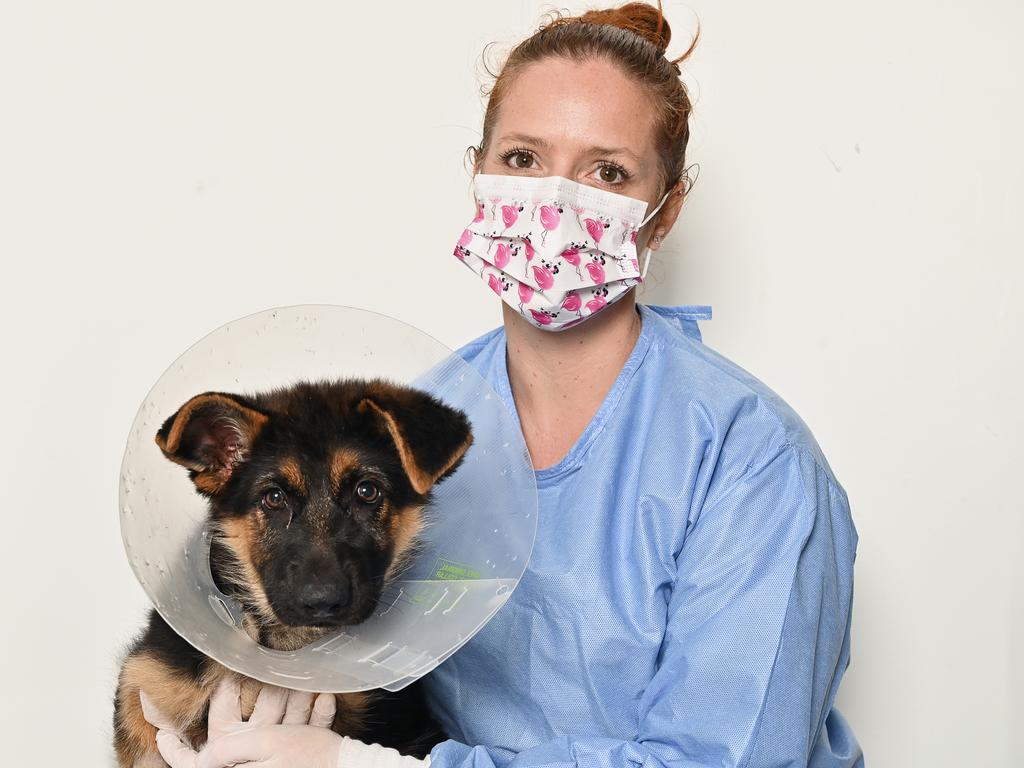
545	144
615	151
523	138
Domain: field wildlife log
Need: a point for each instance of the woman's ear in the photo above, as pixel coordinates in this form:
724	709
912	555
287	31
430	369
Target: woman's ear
475	158
668	214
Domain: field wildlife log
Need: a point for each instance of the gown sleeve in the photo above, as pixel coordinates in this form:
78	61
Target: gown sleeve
757	638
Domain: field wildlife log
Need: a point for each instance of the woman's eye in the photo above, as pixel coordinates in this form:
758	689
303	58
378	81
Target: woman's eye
274	499
610	174
367	492
521	160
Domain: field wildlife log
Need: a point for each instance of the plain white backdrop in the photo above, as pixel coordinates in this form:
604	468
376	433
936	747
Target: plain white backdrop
168	167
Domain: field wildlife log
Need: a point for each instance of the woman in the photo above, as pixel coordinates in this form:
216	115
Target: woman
689	597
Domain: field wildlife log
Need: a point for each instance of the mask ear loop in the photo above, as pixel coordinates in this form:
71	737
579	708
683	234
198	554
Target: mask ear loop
647	218
647	261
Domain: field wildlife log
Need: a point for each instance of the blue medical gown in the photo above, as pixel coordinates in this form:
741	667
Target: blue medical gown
688	599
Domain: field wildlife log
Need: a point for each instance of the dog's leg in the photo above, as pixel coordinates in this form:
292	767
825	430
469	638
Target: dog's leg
181	697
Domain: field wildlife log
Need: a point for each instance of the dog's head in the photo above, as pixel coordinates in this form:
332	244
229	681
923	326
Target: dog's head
315	490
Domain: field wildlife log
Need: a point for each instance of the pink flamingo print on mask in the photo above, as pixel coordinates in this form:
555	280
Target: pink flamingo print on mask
502	255
465	239
540	317
550	216
530	253
509	214
525	294
572	256
544	278
479	212
596	303
595	229
492	280
596	272
572	303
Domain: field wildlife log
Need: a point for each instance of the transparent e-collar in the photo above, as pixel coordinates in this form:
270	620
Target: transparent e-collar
473	550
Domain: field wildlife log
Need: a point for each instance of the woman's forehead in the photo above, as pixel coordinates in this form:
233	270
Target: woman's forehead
580	105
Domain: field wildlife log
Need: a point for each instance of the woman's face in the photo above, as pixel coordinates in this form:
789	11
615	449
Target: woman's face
587	122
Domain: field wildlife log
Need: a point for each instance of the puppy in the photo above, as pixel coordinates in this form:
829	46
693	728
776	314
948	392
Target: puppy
315	496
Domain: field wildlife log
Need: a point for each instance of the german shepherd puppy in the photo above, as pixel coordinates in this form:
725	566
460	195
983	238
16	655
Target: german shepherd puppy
315	498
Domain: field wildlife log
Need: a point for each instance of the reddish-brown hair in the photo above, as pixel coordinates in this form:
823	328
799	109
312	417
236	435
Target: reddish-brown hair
635	37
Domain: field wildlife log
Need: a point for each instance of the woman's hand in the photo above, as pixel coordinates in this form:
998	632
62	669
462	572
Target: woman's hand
286	728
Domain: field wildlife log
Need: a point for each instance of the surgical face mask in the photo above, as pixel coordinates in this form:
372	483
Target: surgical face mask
554	250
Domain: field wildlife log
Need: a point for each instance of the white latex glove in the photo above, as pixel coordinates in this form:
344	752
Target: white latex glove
274	746
282	722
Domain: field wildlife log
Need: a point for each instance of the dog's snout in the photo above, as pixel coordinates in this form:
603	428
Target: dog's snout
323	599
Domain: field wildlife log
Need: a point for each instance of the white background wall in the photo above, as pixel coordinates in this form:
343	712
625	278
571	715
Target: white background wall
167	167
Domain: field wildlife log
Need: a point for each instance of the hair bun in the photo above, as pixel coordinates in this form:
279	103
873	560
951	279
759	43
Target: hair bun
640	18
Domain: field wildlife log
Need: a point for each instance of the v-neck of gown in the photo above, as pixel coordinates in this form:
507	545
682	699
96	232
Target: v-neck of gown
575	455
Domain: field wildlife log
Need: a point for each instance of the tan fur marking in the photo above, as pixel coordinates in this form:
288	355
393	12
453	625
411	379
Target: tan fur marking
341	462
285	638
239	535
293	474
248	690
243	533
134	738
177	696
403	525
207	482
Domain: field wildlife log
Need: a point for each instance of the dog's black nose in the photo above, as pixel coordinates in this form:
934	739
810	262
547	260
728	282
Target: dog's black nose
322	600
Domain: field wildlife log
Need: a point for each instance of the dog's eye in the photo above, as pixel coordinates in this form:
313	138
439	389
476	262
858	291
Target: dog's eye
367	492
274	499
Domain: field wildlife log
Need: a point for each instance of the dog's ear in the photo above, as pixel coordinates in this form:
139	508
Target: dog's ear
211	434
430	436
